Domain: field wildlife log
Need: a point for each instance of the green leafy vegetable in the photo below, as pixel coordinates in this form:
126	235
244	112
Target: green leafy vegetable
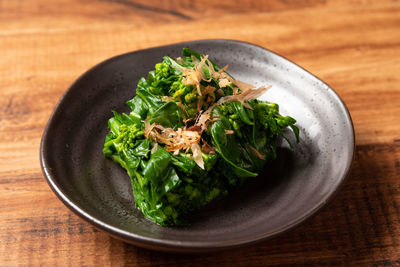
193	133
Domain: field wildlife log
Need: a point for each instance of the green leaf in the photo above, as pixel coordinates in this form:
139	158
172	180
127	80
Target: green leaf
240	111
229	148
138	106
171	180
184	163
157	166
168	115
152	101
142	148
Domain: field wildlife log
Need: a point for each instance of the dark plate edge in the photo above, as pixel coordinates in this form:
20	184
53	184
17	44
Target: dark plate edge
173	245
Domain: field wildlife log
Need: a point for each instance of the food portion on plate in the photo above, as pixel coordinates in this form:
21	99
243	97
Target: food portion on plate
193	134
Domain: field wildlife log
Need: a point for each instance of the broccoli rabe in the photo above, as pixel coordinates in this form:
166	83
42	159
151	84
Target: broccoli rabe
186	143
162	70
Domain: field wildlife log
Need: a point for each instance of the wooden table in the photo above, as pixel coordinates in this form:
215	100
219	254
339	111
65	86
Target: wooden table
352	45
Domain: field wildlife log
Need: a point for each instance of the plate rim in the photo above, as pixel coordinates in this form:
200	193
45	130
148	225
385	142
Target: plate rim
189	246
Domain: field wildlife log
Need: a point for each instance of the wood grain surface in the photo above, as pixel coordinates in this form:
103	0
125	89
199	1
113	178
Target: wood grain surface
352	45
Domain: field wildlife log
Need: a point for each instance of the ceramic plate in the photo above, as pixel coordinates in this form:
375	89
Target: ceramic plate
289	190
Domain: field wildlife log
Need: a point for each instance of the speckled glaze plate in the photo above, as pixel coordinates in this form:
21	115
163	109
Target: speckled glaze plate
290	189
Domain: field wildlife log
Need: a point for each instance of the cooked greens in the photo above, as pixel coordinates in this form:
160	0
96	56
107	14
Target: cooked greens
194	133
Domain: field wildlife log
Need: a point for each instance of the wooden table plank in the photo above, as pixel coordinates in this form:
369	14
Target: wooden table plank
352	45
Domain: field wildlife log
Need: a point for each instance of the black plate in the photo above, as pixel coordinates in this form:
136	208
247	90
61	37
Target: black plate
290	189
